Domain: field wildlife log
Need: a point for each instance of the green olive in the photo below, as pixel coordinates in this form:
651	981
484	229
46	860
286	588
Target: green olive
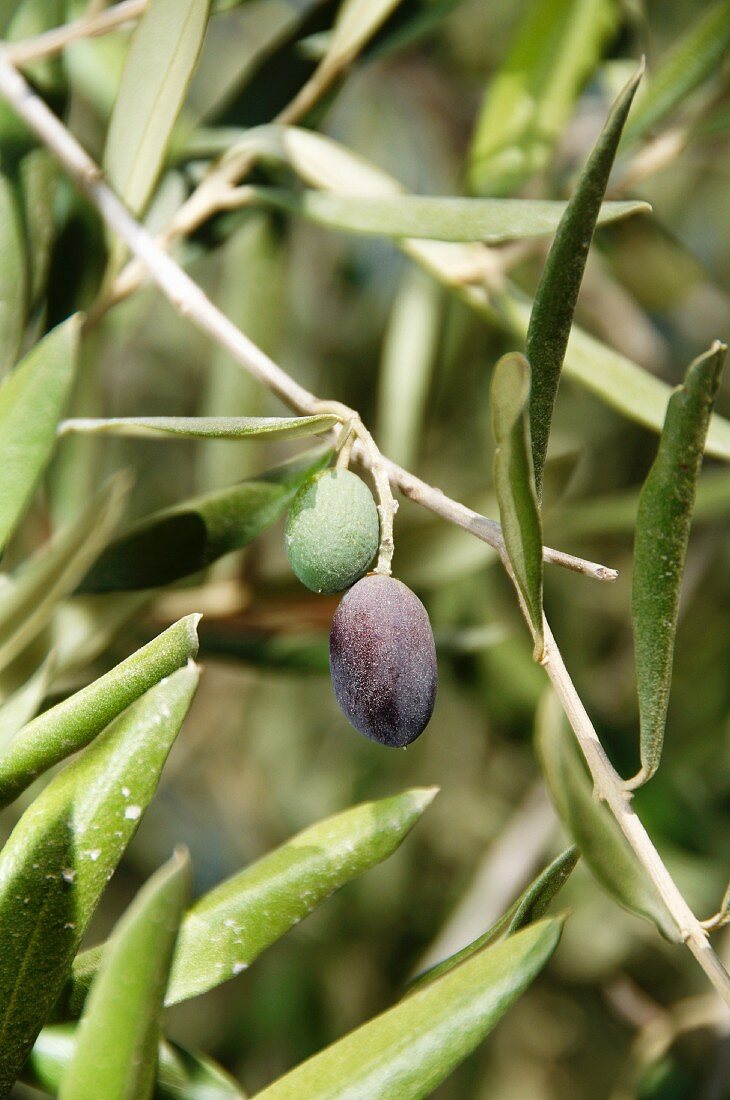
332	531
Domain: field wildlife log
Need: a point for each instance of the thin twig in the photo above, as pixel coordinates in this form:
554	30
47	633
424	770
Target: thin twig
609	786
88	26
191	302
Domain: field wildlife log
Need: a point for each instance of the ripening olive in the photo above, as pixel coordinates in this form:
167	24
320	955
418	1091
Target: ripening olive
332	531
383	661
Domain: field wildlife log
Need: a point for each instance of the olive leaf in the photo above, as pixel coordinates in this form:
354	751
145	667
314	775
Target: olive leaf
13	277
55	570
204	427
692	58
32	398
660	546
157	71
410	347
515	484
181	1074
38	175
530	906
60	855
226	929
591	825
530	99
118	1037
428	217
185	538
557	293
73	723
408	1050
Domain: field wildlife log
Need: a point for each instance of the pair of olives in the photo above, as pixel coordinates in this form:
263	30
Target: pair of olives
382	653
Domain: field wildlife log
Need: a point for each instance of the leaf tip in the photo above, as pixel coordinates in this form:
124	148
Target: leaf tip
423	796
192	622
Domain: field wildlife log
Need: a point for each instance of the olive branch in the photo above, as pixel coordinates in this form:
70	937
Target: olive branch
152	260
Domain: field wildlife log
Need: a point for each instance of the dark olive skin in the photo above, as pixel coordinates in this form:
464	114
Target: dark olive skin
383	661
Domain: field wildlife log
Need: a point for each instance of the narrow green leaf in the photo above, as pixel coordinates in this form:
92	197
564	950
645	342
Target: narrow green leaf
409	354
529	101
407	1051
591	824
181	540
56	569
230	926
515	484
25	702
157	71
62	852
205	427
691	60
13	277
38	174
660	547
76	721
32	398
119	1034
429	217
530	906
181	1074
557	294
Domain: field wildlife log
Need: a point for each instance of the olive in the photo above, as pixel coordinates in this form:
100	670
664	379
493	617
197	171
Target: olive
383	661
332	531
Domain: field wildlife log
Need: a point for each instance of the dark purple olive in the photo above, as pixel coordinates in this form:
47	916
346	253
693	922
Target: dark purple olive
383	661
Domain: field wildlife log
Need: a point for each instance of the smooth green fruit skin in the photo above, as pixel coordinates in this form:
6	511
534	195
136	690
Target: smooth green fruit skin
332	531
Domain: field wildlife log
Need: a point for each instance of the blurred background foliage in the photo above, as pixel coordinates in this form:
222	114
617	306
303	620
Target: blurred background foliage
265	752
